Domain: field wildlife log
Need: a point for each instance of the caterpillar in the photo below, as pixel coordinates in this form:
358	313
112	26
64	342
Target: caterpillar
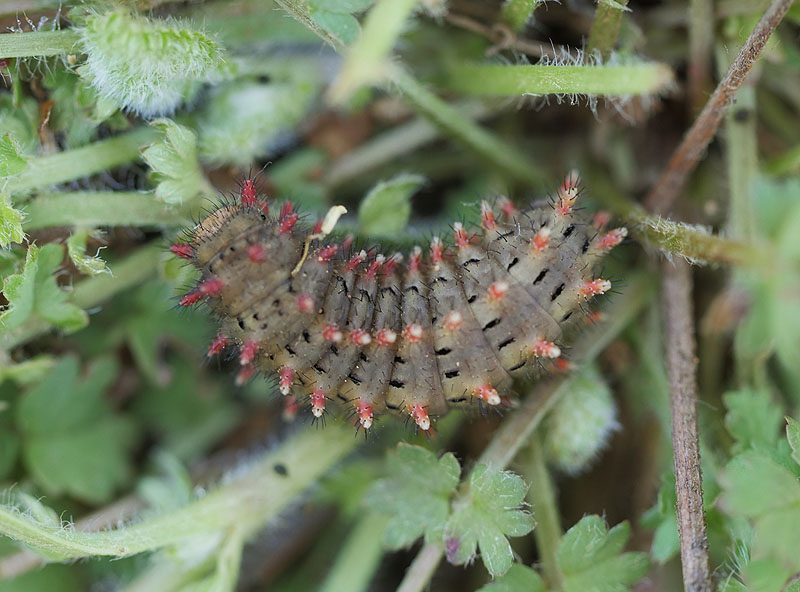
382	334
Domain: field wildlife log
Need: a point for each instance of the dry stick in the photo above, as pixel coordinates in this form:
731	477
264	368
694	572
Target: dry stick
694	143
682	367
678	310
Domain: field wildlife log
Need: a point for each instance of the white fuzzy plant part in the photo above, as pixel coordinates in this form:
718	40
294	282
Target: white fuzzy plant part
146	66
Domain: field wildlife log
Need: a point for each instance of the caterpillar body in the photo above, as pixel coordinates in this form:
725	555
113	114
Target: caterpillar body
380	334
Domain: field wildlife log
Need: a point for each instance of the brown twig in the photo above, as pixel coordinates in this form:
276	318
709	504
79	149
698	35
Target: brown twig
686	156
503	37
682	367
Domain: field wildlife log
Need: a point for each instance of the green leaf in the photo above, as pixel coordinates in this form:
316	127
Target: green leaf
9	449
173	160
336	17
519	578
615	5
591	558
793	436
387	207
757	487
484	518
10	223
12	162
76	249
415	494
29	371
342	26
72	443
752	419
34	293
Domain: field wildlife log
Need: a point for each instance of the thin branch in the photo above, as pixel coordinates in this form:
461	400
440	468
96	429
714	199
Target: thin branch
686	156
682	369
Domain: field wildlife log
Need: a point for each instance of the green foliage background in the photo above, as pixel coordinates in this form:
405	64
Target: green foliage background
119	442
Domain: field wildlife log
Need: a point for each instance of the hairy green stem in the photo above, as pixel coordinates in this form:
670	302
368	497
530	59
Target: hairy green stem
518	13
519	80
38	43
741	148
517	429
89	293
681	239
245	504
359	557
82	162
366	59
100	208
542	497
605	27
459	128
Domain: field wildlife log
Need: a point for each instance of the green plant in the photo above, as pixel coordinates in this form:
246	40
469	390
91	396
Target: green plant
118	125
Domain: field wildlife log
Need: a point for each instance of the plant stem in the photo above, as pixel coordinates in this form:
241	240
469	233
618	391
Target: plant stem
741	149
359	557
366	58
688	153
39	43
100	208
682	369
517	13
701	39
246	503
517	429
603	81
545	510
605	28
82	162
461	129
390	145
89	293
682	239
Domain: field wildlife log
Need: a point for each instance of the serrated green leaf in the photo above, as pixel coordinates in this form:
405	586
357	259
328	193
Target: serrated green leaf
793	436
387	207
10	223
12	162
485	517
173	160
519	578
757	487
34	293
752	419
592	560
415	494
76	249
72	443
342	26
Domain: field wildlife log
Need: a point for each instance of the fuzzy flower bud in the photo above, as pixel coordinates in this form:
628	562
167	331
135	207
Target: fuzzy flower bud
147	66
579	426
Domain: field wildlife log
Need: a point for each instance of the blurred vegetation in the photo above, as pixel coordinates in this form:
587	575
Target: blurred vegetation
121	121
